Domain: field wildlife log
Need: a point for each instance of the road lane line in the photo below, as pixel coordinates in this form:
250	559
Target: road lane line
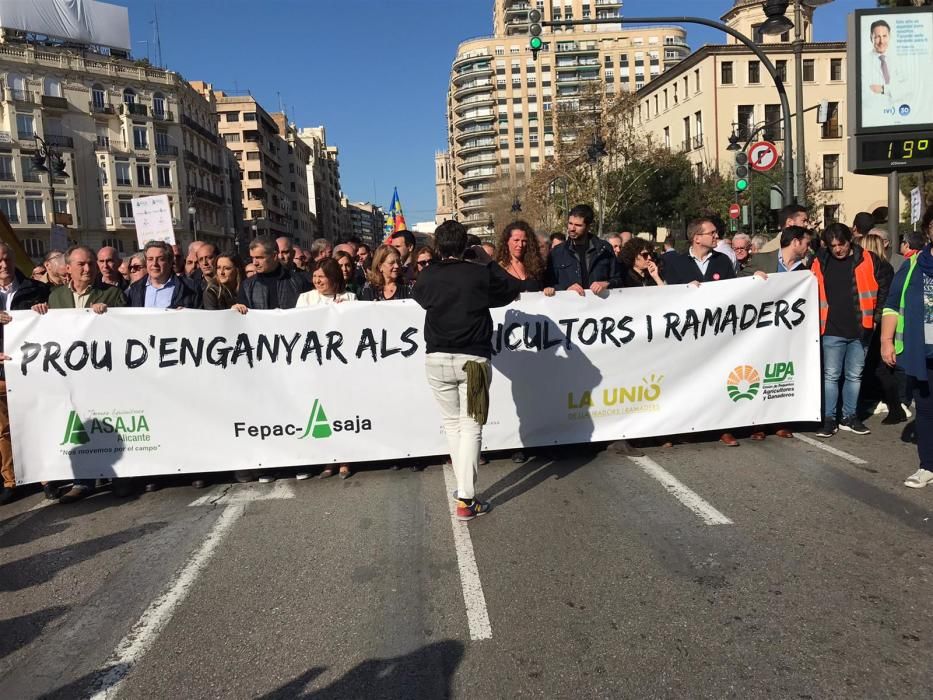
708	514
154	619
225	495
829	448
473	597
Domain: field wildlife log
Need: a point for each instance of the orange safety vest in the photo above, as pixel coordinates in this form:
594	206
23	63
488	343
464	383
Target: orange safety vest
865	283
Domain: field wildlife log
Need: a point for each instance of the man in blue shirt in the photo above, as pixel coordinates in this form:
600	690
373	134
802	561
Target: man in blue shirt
161	288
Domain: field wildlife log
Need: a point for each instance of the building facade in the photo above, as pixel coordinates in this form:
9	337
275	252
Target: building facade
298	157
122	129
323	177
365	221
695	106
501	101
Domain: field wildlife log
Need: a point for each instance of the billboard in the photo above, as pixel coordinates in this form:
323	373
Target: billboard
80	21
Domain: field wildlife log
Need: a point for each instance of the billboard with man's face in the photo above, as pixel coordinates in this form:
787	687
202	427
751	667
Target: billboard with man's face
895	69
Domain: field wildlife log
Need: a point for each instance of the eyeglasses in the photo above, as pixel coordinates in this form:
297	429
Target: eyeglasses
424	263
645	255
135	268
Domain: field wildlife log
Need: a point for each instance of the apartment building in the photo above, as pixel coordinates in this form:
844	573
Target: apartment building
120	127
695	106
323	176
298	157
366	221
501	101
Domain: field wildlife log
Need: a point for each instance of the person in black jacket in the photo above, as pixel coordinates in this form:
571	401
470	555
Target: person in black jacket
583	261
274	286
700	263
161	288
457	296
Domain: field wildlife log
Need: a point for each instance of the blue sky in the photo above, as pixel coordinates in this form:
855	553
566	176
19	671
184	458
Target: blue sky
374	72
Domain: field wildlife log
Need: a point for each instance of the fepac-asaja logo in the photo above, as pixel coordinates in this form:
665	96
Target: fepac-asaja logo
744	382
317	427
129	426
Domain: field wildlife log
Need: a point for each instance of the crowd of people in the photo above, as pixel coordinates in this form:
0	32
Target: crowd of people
876	323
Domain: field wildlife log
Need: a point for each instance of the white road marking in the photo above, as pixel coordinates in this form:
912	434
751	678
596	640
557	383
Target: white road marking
154	619
473	597
245	493
829	448
17	519
708	514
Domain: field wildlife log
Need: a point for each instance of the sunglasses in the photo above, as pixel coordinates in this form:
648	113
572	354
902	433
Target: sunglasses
135	268
424	263
644	255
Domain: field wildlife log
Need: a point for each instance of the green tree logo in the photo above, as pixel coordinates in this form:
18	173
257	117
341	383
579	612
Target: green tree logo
75	434
318	426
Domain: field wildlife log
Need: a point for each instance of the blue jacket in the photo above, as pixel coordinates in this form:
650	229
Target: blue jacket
563	267
913	360
186	294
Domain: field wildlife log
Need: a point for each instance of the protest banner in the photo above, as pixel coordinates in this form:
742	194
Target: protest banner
137	392
153	219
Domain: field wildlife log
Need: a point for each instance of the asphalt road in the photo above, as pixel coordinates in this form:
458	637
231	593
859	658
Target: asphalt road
774	569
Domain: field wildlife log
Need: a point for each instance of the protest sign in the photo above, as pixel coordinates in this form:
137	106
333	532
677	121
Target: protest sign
136	391
153	218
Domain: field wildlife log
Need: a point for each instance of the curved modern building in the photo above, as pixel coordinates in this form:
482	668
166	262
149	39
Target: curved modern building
500	101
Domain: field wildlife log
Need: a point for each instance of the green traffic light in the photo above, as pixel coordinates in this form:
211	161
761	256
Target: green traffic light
536	43
741	185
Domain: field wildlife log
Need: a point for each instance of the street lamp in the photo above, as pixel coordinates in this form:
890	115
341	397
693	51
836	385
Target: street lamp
48	160
776	23
192	221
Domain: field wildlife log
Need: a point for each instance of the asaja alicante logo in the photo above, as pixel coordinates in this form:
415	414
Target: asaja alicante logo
121	426
317	427
744	383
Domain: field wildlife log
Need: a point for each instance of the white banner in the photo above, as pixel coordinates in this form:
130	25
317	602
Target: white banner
136	392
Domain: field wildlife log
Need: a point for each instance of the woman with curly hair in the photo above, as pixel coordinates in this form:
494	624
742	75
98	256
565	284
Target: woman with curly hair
386	283
641	265
518	254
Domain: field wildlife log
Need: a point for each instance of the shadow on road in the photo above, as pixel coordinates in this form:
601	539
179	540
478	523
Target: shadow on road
557	464
425	673
83	687
41	567
17	632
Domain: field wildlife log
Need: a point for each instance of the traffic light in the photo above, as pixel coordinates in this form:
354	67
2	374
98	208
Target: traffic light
534	31
741	171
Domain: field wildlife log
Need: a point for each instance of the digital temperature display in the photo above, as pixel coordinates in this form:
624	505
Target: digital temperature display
898	149
902	152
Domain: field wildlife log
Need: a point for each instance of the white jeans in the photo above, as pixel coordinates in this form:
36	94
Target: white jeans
464	435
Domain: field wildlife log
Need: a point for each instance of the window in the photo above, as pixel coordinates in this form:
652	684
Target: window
696	75
8	207
809	70
126	211
143	176
832	129
830	214
726	73
140	137
754	72
164	175
123	174
780	67
98	97
129	96
52	87
232	138
60	205
102	172
232	116
6	168
667	137
113	243
25	126
29	173
774	122
161	139
249	116
835	69
746	121
35	213
158	104
35	247
831	178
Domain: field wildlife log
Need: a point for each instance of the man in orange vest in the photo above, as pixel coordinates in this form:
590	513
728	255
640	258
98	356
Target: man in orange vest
853	288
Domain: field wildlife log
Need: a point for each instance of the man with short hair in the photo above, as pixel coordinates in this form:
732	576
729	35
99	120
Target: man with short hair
897	259
301	259
108	263
83	291
286	252
792	255
161	288
404	242
700	263
557	238
321	249
583	261
207	263
853	286
55	272
191	261
862	224
790	215
17	293
615	240
742	247
362	256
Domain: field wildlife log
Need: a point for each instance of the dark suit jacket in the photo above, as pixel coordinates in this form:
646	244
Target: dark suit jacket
767	263
62	297
186	294
680	268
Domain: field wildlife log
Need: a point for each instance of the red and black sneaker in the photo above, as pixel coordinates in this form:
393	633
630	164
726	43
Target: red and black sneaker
467	510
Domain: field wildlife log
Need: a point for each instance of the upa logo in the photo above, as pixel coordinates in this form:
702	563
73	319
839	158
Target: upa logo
744	382
124	427
778	372
779	380
317	427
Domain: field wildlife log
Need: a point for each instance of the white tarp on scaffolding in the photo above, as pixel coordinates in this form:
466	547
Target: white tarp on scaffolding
82	21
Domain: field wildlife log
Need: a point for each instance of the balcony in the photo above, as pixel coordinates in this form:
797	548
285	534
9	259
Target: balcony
832	182
24	96
56	103
475	205
97	108
473	71
163	149
573	47
163	116
476	130
134	109
471	87
479	159
489	174
698	141
102	144
191	124
477	146
60	141
831	131
469	119
475	101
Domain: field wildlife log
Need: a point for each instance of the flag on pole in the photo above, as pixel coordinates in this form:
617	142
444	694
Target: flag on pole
395	218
